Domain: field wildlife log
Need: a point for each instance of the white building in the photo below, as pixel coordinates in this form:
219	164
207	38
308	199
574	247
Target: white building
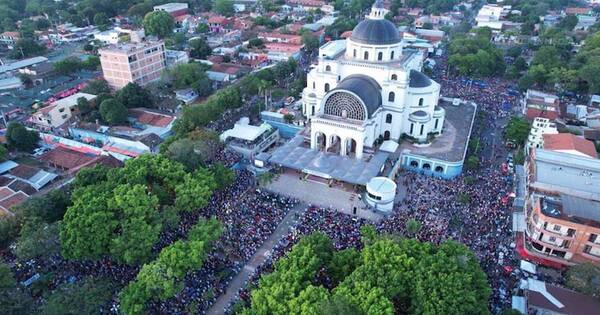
108	37
59	112
539	128
249	140
367	88
491	15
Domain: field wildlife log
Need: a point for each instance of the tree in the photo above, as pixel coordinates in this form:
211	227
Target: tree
113	111
517	130
412	227
202	28
9	230
26	80
84	106
3	153
199	49
50	207
224	7
91	63
12	299
86	296
133	95
584	278
195	190
20	138
184	75
67	66
27	47
159	23
101	20
203	86
37	238
182	151
310	41
256	43
223	176
97	87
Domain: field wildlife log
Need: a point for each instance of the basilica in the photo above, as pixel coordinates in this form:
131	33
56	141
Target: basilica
367	89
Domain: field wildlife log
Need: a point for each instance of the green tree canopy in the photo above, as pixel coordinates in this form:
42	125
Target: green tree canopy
159	23
224	7
21	138
113	111
133	95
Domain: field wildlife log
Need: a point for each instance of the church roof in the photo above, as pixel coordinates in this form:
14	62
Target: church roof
376	32
418	80
366	88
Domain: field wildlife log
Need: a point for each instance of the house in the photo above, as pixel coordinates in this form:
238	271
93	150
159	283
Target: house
58	112
108	37
35	177
578	11
71	161
151	122
10	39
274	37
187	96
539	128
540	104
175	57
544	298
226	72
175	9
219	24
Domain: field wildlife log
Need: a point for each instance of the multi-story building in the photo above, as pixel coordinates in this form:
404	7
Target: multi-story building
540	104
135	62
539	128
562	207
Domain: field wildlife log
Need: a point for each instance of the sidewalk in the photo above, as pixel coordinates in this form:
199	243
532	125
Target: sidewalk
259	257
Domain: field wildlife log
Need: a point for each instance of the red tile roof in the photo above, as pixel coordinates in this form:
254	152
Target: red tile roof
532	113
14	200
24	171
150	118
218	20
567	141
574	10
66	158
5	192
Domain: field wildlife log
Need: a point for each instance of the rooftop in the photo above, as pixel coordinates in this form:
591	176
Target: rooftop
451	144
569	142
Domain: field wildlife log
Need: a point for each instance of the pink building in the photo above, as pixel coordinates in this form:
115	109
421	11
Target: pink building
139	62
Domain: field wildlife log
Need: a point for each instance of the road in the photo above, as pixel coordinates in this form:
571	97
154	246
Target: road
259	257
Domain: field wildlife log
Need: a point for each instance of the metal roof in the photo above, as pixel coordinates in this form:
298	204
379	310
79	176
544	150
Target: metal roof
366	88
580	207
418	80
376	32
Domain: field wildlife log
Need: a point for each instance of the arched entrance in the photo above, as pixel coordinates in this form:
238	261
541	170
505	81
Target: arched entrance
350	146
320	141
335	144
414	163
386	135
426	166
439	169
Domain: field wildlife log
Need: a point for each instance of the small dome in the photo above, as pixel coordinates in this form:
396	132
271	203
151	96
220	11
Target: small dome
376	32
419	113
418	80
365	87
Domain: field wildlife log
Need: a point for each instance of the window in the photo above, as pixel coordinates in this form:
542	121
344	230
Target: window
326	87
436	124
391	97
328	68
312	111
412	126
366	55
421	101
392	55
380	56
556	227
422	129
354	53
314	85
394	77
388	118
552	239
593	237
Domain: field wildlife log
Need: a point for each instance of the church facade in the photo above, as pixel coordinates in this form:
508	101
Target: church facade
367	89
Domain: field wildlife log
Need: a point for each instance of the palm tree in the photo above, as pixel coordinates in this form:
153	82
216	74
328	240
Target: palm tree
263	87
265	179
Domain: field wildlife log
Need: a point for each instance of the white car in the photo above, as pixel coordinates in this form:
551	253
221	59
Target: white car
39	151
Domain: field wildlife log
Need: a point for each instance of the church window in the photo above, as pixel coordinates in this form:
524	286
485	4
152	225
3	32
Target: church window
392	55
391	97
380	56
366	55
326	87
312	110
345	105
422	128
314	85
394	77
388	118
328	68
436	123
412	126
354	53
421	101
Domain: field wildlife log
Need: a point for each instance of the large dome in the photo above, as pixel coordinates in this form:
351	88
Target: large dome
376	32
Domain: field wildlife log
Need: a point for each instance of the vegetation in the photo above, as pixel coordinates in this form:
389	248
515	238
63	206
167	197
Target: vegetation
121	212
517	130
475	55
159	23
162	278
113	112
133	95
584	278
83	297
71	65
199	49
21	138
388	276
